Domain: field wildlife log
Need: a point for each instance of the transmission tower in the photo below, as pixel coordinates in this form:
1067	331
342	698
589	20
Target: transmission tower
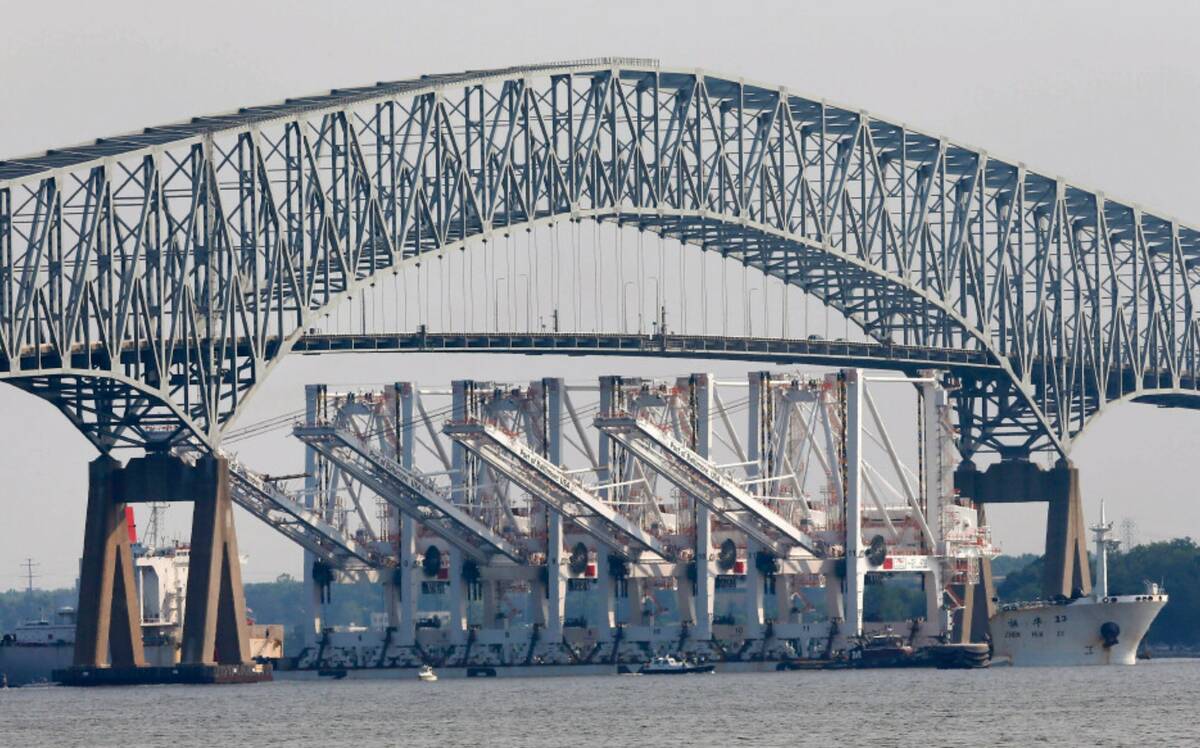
1129	533
153	525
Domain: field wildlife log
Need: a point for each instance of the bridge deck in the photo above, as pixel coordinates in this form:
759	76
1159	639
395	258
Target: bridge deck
780	350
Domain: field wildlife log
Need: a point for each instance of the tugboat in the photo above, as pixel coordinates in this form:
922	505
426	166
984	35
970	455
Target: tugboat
668	665
882	650
426	674
1100	629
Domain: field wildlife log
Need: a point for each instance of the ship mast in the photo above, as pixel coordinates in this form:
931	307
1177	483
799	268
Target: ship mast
1101	531
29	565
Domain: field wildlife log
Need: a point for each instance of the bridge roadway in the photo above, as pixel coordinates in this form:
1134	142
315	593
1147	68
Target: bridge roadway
977	365
812	351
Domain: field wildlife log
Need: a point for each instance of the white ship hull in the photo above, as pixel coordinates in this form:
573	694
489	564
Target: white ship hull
1071	633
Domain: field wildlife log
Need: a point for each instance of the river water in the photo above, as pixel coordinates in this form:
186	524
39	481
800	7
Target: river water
1150	704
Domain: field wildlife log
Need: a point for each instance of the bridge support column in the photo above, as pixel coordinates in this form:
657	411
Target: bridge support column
109	622
970	622
214	624
1066	572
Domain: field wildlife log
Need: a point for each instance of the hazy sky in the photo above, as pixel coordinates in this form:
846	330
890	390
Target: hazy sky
1102	93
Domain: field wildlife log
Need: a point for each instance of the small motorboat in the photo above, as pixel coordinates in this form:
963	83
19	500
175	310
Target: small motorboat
426	674
668	665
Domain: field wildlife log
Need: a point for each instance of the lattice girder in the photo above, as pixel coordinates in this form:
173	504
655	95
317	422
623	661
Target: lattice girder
209	246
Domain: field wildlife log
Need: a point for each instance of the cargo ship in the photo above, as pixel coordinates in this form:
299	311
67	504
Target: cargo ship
1098	629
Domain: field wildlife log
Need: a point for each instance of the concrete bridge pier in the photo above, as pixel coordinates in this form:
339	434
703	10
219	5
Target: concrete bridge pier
1066	572
969	623
214	624
109	625
109	622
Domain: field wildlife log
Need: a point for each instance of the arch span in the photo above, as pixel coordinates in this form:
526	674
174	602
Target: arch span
207	247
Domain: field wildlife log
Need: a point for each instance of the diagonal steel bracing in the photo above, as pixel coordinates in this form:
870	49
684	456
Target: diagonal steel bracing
411	493
149	282
699	477
560	491
281	511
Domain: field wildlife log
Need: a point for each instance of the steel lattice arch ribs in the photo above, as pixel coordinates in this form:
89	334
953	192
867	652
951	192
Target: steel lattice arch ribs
148	282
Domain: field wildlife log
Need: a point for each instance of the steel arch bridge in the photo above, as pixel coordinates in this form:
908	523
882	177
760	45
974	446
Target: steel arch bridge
149	282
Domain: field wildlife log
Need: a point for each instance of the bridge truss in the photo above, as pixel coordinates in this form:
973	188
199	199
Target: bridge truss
149	282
